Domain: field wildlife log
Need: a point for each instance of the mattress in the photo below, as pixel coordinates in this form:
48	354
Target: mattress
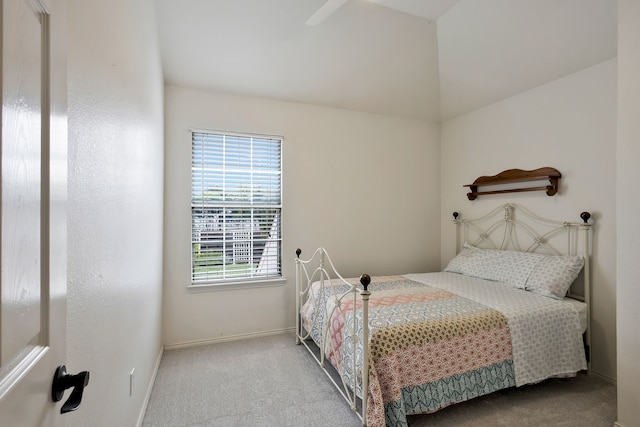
582	310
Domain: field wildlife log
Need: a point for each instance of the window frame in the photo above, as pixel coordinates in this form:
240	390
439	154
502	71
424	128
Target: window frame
237	281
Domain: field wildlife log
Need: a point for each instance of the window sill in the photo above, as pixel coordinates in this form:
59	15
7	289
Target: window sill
238	285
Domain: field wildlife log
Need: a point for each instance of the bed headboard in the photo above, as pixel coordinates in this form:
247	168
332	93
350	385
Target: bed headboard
513	227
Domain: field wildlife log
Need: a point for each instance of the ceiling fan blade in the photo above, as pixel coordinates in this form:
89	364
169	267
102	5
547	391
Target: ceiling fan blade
325	10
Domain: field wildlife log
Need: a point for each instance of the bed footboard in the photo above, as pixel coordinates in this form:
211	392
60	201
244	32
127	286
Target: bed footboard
317	277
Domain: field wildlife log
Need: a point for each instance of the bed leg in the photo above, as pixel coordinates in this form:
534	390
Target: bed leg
365	280
298	266
586	228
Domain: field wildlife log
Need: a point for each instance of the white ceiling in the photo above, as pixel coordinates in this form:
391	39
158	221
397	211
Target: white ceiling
423	59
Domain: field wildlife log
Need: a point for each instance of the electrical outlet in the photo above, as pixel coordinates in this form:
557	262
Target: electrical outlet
131	376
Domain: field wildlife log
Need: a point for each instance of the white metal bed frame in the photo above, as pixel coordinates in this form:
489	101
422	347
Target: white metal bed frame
323	272
515	224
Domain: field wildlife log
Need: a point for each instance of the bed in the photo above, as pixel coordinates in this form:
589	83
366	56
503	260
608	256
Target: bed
512	307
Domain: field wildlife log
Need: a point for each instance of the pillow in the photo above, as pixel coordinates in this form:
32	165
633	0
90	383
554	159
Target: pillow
510	267
553	275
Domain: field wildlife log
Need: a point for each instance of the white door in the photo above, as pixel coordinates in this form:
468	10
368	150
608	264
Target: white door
32	211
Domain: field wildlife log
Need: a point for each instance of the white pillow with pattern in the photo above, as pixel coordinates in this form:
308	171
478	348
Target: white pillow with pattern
510	267
553	275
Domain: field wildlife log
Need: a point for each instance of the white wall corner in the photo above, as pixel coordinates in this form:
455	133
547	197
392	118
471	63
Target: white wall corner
152	382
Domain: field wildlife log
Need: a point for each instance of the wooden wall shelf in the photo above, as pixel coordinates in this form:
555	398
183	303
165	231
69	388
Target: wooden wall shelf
511	176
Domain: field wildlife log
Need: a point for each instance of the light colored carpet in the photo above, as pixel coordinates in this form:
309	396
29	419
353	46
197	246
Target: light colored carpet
270	381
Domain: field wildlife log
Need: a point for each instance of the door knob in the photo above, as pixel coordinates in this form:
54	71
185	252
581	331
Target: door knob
62	381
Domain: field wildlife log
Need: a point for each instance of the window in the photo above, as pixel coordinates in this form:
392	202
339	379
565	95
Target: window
236	193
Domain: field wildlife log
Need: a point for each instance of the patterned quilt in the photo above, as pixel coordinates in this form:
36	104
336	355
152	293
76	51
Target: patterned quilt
430	347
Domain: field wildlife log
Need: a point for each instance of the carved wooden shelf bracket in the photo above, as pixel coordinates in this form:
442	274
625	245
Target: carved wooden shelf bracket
511	176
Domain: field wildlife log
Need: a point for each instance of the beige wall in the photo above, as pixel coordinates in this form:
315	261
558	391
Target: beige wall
115	206
366	187
569	124
628	206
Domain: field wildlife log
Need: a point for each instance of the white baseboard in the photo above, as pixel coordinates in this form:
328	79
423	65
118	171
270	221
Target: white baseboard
228	338
152	381
617	424
603	377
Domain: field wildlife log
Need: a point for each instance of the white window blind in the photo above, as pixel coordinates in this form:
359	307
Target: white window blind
236	193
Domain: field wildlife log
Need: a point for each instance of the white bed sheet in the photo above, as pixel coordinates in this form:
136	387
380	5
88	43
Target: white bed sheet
581	308
541	348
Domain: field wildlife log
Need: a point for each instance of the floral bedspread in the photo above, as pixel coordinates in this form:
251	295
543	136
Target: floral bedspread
429	347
